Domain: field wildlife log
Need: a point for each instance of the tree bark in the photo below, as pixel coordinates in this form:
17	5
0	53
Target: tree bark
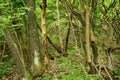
37	65
87	33
43	25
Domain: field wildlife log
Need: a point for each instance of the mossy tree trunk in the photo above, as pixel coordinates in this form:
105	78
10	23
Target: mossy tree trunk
37	65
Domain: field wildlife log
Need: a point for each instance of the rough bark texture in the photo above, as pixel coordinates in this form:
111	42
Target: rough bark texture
37	66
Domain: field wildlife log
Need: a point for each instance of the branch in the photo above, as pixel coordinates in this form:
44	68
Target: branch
49	40
74	13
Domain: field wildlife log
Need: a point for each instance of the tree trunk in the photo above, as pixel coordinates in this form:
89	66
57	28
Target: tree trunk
37	66
60	35
18	55
87	33
67	39
43	24
94	48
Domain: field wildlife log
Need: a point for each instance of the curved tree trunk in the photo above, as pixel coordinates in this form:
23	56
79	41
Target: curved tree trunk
17	53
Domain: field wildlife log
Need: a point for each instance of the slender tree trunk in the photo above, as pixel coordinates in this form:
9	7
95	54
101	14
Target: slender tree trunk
66	43
60	35
87	33
37	66
94	47
73	31
92	37
74	36
43	17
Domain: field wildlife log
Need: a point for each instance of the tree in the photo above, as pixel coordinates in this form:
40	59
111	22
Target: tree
35	62
88	32
82	30
60	36
43	25
37	65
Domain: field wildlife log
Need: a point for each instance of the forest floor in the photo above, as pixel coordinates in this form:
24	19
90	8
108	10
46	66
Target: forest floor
61	68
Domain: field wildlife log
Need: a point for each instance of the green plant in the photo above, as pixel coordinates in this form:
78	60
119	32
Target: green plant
6	68
47	78
117	73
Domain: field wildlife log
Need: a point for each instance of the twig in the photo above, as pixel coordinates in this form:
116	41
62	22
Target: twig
108	73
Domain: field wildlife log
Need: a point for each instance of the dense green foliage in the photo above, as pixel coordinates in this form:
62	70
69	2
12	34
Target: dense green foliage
6	68
105	14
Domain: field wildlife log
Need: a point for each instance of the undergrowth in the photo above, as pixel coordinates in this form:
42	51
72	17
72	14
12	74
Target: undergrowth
6	67
72	69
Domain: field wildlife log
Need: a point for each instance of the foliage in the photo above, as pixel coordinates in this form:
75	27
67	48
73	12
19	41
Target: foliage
117	73
6	68
47	78
72	69
13	15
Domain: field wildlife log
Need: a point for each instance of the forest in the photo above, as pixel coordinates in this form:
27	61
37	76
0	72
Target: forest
59	39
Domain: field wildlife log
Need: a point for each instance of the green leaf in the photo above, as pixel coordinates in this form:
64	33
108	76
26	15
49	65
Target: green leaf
108	2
